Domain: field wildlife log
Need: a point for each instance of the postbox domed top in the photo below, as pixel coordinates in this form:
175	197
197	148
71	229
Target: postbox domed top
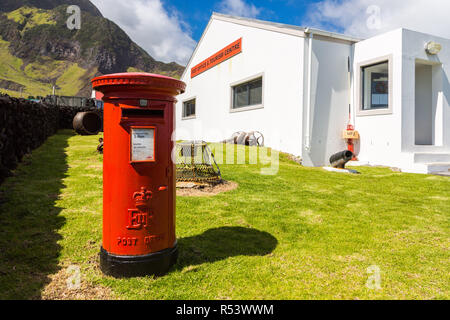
130	81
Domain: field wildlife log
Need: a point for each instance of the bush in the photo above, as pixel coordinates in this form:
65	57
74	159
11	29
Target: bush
25	125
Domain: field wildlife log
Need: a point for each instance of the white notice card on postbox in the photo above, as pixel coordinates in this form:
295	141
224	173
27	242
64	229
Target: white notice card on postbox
142	144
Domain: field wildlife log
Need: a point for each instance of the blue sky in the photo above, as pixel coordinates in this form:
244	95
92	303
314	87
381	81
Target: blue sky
198	12
170	29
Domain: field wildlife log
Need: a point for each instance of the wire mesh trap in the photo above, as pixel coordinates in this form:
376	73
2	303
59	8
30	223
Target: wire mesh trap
196	164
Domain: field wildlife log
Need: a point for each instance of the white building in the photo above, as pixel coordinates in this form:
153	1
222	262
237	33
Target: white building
293	84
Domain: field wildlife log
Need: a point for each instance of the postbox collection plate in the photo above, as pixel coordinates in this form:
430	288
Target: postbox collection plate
142	144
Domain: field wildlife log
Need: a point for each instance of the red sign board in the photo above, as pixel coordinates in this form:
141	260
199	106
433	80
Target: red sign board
224	54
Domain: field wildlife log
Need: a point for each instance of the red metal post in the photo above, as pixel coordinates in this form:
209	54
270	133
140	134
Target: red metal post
350	143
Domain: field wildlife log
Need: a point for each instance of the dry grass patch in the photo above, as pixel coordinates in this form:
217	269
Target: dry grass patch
63	287
207	191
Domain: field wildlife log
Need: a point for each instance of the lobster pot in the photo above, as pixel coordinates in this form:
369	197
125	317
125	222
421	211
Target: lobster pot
195	163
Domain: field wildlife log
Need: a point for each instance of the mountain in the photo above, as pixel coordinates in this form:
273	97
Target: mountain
85	5
38	51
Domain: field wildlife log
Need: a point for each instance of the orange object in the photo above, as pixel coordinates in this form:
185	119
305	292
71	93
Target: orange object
350	135
224	54
138	221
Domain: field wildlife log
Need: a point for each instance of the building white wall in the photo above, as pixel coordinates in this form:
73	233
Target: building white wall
279	57
381	135
330	100
413	53
282	59
391	139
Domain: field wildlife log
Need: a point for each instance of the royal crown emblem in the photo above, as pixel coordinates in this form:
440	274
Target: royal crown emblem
142	199
140	217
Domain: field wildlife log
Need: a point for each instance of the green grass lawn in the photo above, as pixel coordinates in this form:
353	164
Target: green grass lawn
302	234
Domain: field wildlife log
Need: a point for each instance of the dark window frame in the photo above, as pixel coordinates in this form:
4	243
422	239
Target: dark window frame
189	103
371	93
247	85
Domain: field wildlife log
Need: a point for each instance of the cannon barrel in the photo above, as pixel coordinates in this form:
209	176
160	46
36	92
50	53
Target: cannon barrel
87	123
340	159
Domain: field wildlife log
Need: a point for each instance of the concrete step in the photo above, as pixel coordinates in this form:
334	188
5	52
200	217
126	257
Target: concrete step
428	168
431	157
444	174
438	167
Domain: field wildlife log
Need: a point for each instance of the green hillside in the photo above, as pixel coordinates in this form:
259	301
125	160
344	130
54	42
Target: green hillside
37	78
38	51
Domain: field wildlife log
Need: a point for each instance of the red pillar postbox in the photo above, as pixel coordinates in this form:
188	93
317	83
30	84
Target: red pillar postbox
138	173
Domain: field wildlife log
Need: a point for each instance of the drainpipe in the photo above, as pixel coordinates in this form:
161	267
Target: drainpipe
308	96
351	86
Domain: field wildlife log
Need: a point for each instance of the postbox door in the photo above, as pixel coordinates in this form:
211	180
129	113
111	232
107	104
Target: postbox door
151	166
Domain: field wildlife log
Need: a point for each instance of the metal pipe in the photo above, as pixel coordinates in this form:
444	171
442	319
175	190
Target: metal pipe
340	159
87	123
308	96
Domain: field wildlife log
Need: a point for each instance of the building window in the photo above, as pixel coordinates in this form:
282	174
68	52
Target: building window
189	109
375	86
247	94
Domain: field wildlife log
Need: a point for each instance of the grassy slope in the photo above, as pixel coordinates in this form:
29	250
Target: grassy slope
37	76
165	73
34	75
37	17
304	233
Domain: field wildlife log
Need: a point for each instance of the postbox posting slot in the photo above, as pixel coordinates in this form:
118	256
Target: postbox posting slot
143	144
138	113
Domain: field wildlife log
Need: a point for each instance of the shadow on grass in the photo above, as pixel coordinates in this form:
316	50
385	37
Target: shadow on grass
222	243
29	220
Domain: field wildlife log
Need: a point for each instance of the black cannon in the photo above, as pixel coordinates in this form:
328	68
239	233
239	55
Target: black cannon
340	159
87	123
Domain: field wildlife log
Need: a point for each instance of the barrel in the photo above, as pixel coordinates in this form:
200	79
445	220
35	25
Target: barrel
87	123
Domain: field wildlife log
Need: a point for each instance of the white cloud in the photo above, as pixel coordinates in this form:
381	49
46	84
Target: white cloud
239	8
162	34
360	17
